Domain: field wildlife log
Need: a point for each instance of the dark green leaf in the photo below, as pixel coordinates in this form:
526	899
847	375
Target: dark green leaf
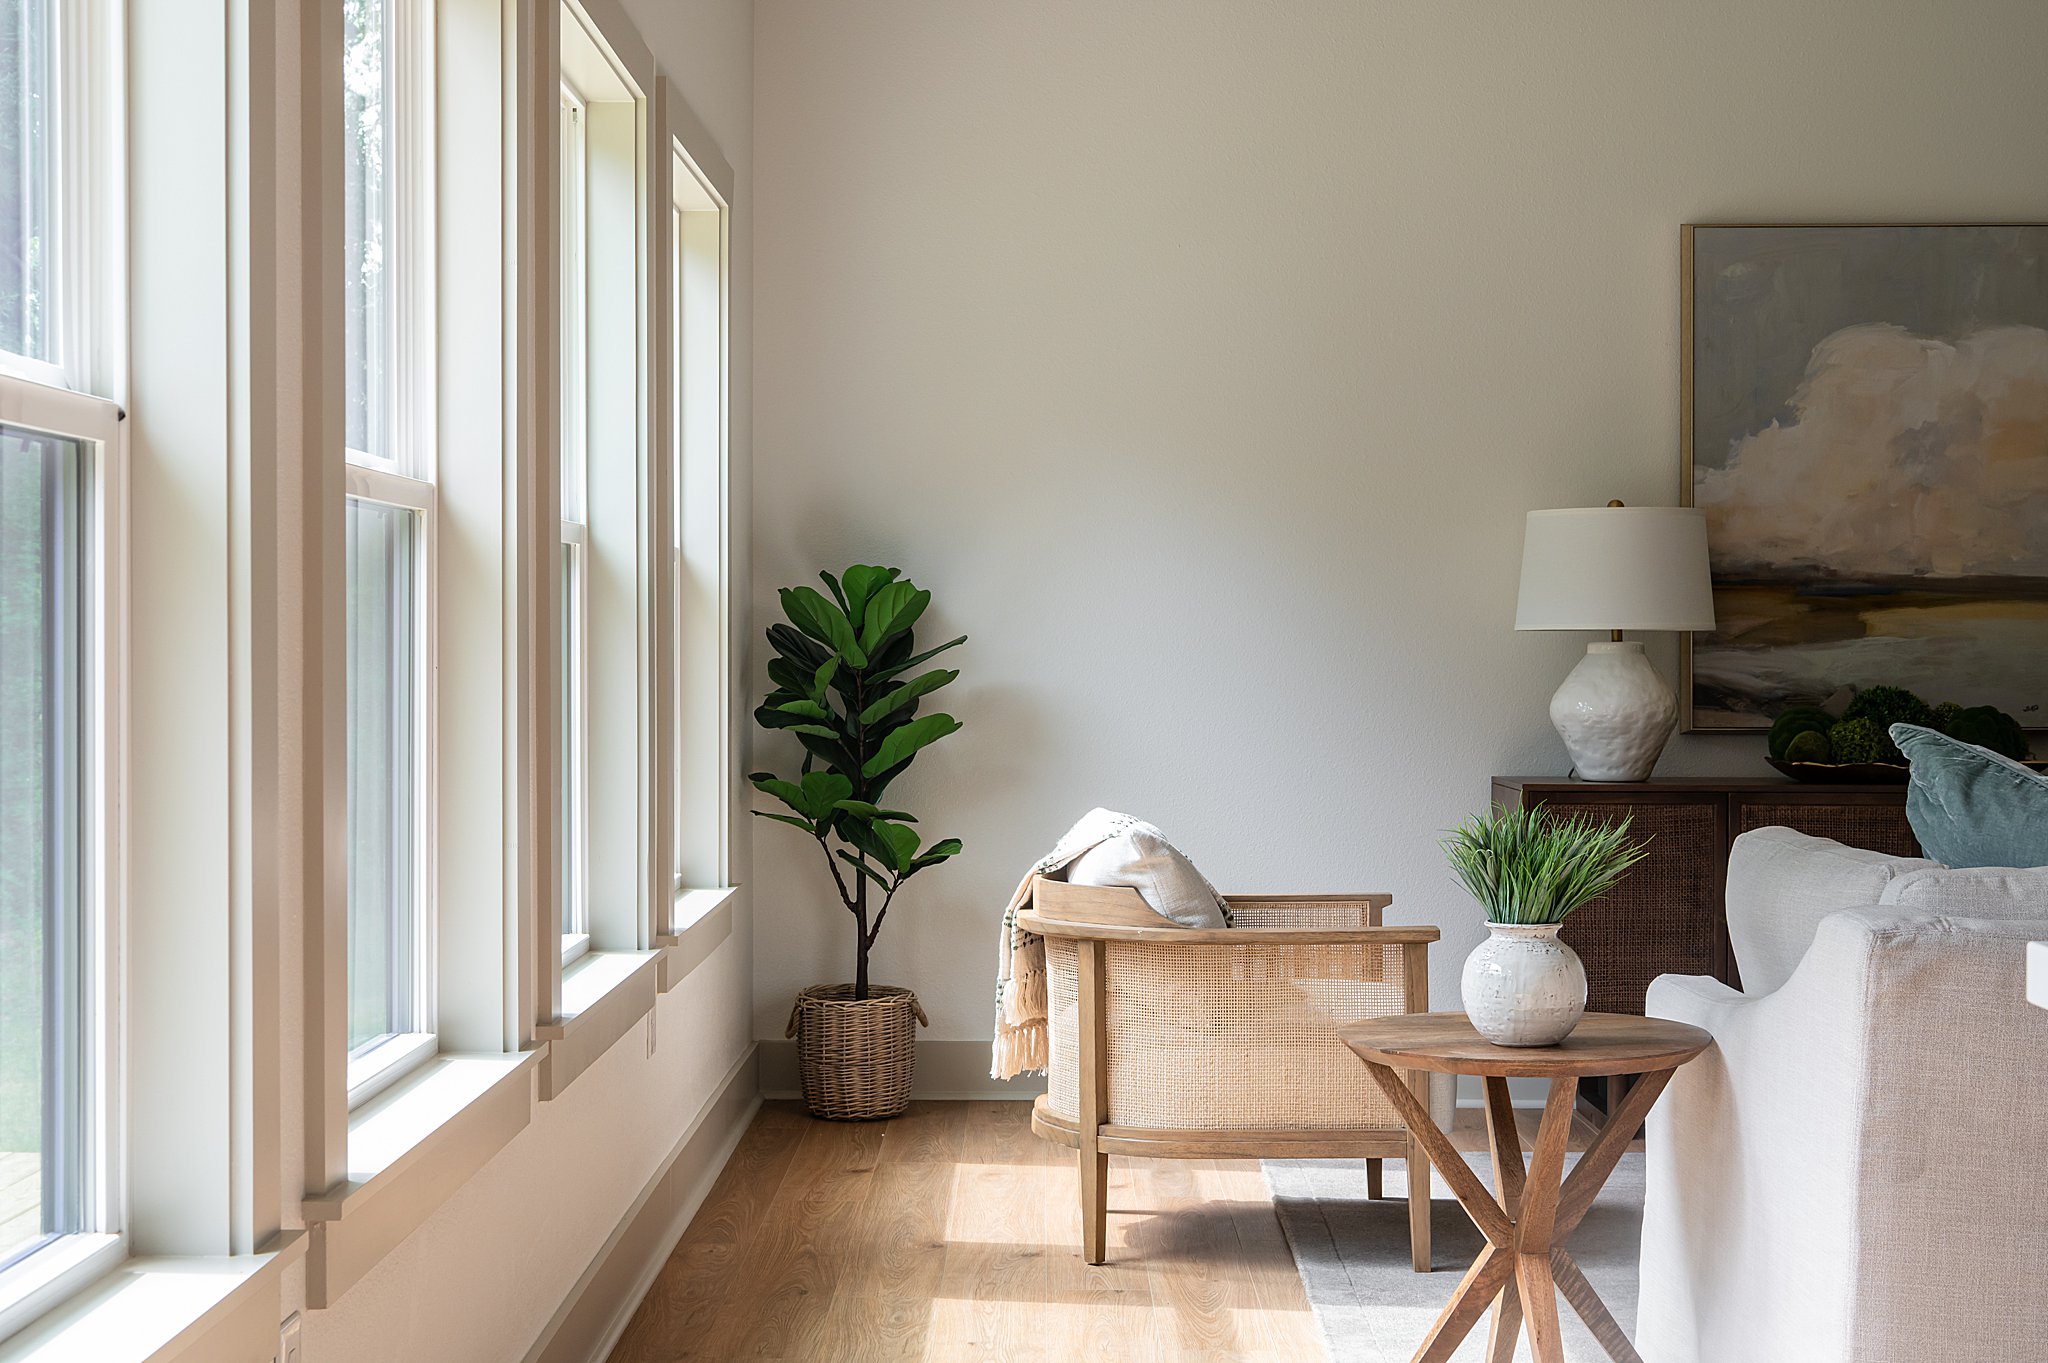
824	789
791	644
789	792
868	811
774	717
837	595
790	677
906	693
862	580
939	851
901	842
819	730
808	709
822	678
898	669
789	819
870	872
823	621
904	742
891	611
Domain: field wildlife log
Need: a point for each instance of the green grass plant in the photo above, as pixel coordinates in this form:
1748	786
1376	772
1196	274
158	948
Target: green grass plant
1535	866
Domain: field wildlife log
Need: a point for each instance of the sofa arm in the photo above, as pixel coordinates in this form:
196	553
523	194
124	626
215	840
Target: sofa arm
1842	1167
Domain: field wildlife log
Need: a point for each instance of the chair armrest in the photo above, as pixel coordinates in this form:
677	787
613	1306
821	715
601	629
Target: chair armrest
1168	934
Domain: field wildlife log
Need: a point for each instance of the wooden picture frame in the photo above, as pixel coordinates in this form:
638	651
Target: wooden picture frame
1874	272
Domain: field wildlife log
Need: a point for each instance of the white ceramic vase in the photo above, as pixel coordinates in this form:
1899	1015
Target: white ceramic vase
1614	713
1524	987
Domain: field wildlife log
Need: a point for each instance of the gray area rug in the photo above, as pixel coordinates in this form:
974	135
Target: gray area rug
1375	1308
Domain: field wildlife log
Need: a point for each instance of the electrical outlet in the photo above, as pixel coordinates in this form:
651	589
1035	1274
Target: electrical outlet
288	1340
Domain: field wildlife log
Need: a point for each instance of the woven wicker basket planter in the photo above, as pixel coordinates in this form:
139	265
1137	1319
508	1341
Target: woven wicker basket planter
856	1058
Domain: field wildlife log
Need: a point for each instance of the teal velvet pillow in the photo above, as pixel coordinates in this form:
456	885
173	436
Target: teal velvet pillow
1971	807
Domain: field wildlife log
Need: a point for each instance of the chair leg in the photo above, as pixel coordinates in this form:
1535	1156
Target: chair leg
1094	1206
1419	1181
1373	1189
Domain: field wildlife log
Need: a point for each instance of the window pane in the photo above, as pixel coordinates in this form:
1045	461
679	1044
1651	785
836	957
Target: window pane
383	771
367	227
43	1144
571	841
575	316
26	123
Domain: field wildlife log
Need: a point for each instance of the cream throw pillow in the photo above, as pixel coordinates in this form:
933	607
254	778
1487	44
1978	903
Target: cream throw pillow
1131	852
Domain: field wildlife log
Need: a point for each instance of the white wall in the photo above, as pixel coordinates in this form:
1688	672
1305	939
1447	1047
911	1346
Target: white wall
482	1279
1203	358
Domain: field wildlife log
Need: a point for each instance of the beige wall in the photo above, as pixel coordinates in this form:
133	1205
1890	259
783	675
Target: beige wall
485	1276
1203	359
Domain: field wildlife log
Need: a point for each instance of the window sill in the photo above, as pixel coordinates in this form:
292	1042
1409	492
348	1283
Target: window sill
602	996
151	1309
409	1149
702	920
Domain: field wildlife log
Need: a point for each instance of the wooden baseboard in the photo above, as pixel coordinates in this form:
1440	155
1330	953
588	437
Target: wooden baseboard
587	1325
947	1071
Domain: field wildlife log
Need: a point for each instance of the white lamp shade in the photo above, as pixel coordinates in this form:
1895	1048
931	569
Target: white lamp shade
1616	567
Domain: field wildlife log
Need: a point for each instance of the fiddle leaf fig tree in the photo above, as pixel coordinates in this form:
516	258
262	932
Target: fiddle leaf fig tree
848	688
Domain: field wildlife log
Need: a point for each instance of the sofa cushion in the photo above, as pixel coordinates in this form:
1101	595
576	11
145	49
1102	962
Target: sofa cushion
1134	853
1999	892
1782	883
1971	807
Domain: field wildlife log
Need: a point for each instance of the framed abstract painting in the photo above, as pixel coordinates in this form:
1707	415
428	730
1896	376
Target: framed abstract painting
1866	427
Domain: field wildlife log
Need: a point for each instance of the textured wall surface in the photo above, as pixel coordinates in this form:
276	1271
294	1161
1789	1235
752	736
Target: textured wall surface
1203	359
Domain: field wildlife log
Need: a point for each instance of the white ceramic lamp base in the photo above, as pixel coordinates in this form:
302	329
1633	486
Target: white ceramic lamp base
1614	713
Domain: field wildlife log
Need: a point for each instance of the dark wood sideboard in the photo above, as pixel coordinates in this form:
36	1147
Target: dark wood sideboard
1666	916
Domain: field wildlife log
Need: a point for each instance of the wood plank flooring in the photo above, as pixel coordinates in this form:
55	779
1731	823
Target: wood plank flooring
952	1233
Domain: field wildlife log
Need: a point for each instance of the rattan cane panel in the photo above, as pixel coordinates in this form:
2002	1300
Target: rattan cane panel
1663	918
1299	913
1063	1023
1878	828
1242	1038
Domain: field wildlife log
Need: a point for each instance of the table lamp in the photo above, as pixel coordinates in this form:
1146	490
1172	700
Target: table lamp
1615	568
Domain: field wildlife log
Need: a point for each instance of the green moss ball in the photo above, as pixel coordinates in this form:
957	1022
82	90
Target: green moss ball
1885	706
1860	740
1800	719
1989	727
1811	746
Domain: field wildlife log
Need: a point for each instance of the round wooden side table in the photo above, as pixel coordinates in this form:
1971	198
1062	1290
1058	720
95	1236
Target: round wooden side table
1526	1221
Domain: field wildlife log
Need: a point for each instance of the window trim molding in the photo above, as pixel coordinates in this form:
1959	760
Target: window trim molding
694	857
30	1284
376	1070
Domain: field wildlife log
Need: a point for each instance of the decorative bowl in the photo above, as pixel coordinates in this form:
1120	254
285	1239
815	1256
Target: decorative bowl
1858	773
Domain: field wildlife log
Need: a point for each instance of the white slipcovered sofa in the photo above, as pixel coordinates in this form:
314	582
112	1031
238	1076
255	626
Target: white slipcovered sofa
1858	1169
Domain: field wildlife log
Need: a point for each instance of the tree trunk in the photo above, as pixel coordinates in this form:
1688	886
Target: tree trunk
860	940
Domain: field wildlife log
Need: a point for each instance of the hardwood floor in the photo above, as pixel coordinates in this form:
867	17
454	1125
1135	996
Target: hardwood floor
952	1233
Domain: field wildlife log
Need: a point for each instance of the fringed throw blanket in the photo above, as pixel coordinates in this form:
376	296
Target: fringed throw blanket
1148	862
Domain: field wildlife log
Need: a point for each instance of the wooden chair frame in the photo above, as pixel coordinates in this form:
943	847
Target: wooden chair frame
1095	918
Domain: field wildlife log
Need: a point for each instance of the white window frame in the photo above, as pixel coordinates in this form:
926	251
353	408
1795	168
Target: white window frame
382	1063
406	480
38	1278
700	692
573	915
86	276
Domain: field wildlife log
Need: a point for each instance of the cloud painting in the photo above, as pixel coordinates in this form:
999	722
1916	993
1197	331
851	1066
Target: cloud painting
1868	423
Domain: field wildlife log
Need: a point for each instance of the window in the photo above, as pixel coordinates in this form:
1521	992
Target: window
55	1189
389	532
574	845
60	1211
698	621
